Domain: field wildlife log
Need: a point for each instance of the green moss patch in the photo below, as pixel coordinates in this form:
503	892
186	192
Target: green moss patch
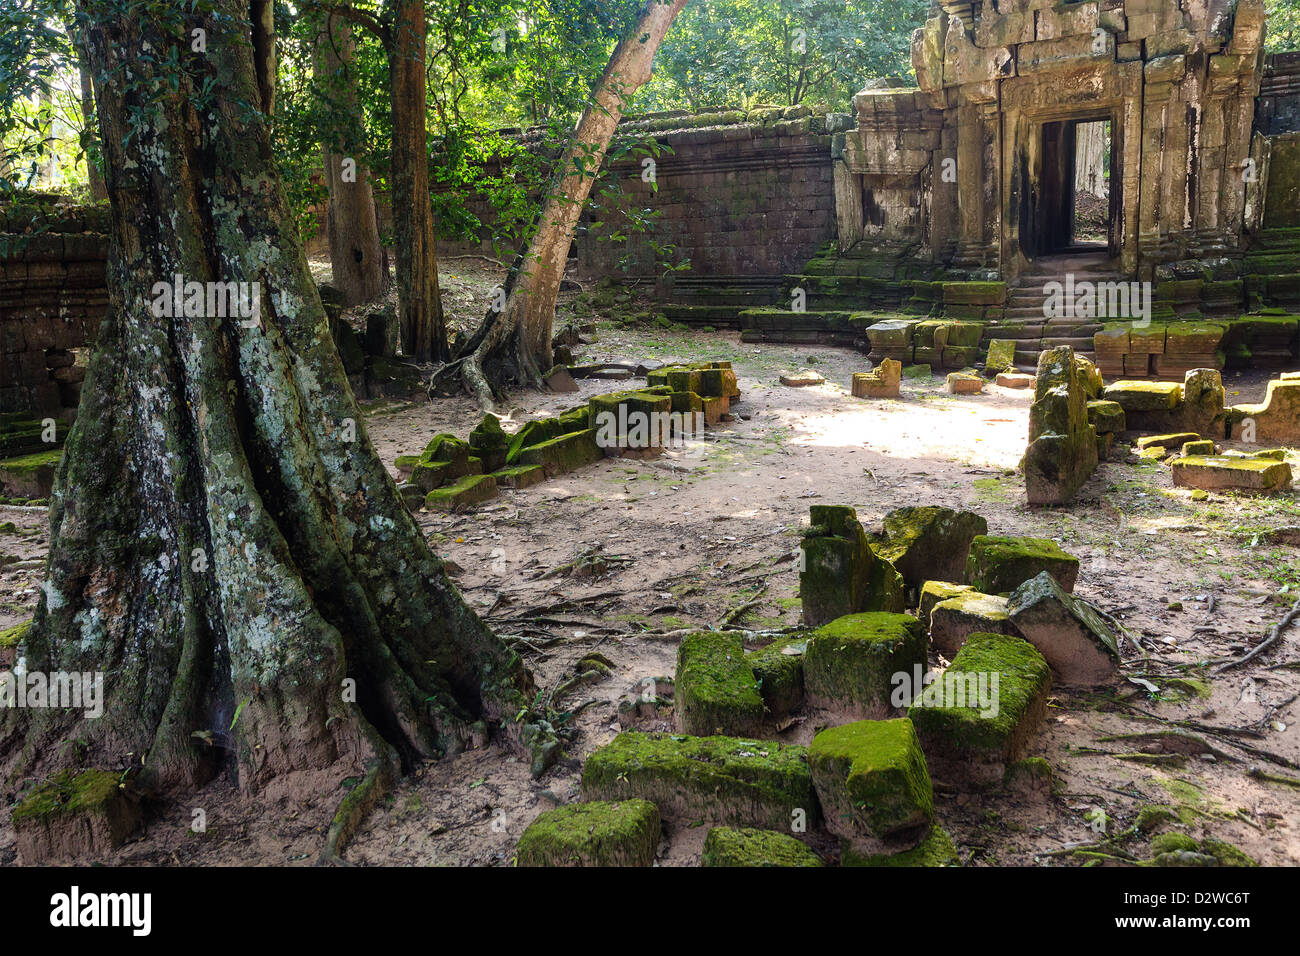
929	543
720	780
74	813
566	453
778	670
469	491
743	846
600	833
13	636
937	849
951	621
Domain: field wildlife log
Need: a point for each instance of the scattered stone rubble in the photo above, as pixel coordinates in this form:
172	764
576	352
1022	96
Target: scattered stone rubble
879	717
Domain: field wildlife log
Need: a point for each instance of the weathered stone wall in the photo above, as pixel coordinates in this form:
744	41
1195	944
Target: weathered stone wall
1278	109
53	295
746	198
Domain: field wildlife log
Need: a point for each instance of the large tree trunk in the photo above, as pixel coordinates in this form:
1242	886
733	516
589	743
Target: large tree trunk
352	227
514	347
424	331
225	544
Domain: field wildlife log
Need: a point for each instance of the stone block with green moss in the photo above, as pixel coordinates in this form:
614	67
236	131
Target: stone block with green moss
1030	776
490	443
778	669
850	663
30	476
745	846
727	781
543	430
929	543
978	717
999	565
1062	450
519	476
716	691
932	592
470	490
74	814
1141	396
1001	355
566	453
1106	417
1077	642
600	833
13	636
840	573
1180	850
937	849
971	612
1258	475
872	781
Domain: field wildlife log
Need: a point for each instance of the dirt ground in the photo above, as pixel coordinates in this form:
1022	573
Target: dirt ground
685	540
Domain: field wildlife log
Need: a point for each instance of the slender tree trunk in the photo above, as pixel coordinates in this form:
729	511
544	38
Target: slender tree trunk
94	177
424	331
226	546
514	347
352	227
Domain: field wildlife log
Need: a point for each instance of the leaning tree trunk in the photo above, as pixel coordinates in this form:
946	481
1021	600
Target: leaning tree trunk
225	544
351	224
514	347
424	330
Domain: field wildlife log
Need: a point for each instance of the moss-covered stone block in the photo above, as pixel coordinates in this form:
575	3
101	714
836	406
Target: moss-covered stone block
839	571
999	565
1106	417
778	669
600	833
978	717
933	592
1173	440
30	476
872	781
937	849
726	781
716	691
468	491
1080	646
1135	396
1257	475
851	663
490	443
566	453
953	620
1062	450
76	813
744	846
1001	355
519	476
929	543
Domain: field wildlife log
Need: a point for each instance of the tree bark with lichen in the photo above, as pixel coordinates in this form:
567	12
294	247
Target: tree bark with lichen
226	545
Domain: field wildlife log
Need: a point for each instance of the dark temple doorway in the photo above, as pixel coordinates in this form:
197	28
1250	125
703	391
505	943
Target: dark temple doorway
1077	208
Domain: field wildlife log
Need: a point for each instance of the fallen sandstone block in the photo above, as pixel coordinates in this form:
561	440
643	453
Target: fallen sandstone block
850	664
1062	450
778	670
978	717
873	784
802	378
936	849
715	689
743	846
1016	380
960	383
600	833
1166	441
999	565
726	781
564	454
1223	473
882	382
839	571
520	476
74	814
1106	417
470	490
927	543
953	620
1078	644
932	592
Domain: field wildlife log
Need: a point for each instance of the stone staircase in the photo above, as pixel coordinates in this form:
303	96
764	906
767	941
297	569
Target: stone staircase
1025	320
